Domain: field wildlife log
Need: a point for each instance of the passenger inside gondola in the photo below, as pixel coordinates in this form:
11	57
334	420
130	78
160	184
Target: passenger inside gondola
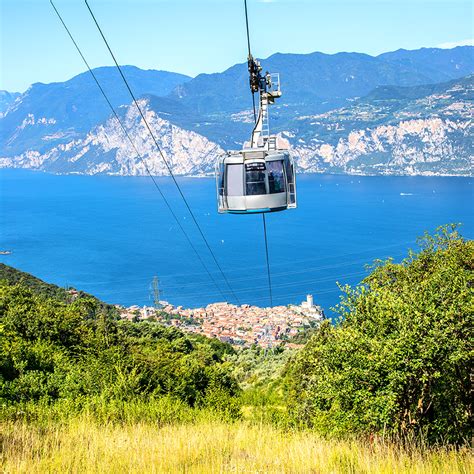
255	179
276	178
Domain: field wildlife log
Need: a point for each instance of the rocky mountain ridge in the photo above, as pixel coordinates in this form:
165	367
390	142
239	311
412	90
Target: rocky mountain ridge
417	128
105	149
422	130
6	99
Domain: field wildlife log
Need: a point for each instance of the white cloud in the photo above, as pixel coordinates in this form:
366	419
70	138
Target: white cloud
453	44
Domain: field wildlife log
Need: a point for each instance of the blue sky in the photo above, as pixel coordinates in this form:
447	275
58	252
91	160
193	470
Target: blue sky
191	36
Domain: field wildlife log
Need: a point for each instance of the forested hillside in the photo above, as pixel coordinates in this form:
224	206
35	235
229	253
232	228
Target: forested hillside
55	350
397	363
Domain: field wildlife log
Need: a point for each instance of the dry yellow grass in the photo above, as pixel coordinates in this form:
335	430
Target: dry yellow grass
83	446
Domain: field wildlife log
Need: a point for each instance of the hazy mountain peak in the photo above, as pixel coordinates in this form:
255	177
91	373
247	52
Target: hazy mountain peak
6	99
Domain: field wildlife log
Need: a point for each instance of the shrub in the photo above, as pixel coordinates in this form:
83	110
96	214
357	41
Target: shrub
400	357
52	350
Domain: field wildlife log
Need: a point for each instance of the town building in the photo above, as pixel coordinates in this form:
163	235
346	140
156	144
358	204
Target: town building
239	325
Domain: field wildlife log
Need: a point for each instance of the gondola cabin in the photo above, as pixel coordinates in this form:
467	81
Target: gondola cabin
260	177
255	180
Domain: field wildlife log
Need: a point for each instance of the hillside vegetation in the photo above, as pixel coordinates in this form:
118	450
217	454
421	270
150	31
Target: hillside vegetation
76	355
400	358
386	388
207	447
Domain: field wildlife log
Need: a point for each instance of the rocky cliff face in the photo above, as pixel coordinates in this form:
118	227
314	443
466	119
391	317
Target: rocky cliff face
106	149
427	130
6	99
412	147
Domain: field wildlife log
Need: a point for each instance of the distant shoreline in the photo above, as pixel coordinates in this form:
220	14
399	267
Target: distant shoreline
212	176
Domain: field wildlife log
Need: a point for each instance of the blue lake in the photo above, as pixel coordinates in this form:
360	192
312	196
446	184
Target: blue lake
110	236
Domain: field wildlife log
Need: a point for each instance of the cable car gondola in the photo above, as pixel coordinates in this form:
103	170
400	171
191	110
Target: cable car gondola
261	177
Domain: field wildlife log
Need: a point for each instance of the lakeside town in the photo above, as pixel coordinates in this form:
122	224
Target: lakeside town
242	325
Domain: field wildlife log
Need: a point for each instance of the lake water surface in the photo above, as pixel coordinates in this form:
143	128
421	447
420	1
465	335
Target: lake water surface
110	236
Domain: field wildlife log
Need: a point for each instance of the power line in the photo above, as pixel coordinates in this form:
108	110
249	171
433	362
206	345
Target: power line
135	148
179	288
247	268
171	289
263	298
254	289
161	152
187	286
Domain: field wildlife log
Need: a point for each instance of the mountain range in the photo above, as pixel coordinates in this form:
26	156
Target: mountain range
403	112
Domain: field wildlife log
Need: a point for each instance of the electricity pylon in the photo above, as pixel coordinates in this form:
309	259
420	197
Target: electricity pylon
155	292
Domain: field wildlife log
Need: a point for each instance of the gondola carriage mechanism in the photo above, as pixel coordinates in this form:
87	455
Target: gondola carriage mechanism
261	177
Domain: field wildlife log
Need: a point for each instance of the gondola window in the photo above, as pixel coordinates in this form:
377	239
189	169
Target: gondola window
276	177
255	179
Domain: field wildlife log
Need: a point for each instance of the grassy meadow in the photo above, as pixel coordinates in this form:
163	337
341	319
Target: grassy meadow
83	445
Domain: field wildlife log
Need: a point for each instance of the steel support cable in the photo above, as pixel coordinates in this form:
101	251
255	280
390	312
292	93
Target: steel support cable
136	150
249	56
255	120
247	25
135	101
268	260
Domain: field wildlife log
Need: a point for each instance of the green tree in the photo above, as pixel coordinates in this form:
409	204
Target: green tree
399	359
54	349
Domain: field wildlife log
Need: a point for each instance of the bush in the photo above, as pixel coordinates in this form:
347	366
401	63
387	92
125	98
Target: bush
53	350
400	357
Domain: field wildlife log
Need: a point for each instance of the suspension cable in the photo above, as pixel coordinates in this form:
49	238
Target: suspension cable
268	260
249	56
161	152
247	25
255	119
136	150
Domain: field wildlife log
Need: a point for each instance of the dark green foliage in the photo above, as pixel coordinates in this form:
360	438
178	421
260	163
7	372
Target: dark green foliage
400	358
303	336
52	349
12	276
